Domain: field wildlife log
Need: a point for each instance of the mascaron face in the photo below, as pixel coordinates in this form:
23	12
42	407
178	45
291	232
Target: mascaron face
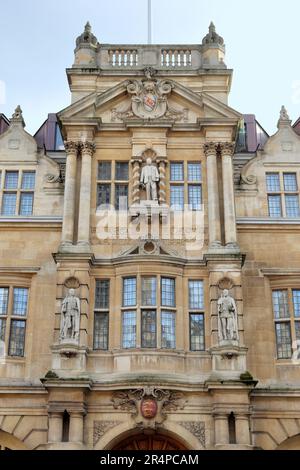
148	408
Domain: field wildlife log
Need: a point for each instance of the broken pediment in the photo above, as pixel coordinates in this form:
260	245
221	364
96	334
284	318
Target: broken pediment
149	247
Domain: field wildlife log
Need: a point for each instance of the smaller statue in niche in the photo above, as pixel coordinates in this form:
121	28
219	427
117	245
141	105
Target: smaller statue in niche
70	318
227	318
149	179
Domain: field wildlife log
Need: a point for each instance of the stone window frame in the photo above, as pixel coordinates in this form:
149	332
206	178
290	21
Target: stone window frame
12	284
113	183
19	190
199	311
282	192
186	183
104	311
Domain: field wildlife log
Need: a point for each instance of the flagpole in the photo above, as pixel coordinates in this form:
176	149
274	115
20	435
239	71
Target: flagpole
149	22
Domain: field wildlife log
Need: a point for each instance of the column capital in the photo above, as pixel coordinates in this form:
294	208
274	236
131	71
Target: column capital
211	148
87	148
227	148
71	147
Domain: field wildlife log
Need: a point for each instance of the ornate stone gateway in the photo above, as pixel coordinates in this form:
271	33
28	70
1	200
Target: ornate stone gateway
149	442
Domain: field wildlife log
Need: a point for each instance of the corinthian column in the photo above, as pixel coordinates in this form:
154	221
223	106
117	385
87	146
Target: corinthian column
69	197
227	151
210	150
87	152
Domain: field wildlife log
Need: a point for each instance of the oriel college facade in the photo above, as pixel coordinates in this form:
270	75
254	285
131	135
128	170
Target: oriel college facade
150	262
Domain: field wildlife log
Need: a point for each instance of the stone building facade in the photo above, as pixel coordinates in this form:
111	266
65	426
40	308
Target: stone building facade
149	274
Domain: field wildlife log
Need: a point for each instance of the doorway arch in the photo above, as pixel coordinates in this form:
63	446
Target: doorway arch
10	442
149	441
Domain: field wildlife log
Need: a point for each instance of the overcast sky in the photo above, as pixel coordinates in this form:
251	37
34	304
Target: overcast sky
261	36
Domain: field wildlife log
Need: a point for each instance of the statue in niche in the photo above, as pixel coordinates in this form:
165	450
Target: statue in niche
70	318
149	179
227	318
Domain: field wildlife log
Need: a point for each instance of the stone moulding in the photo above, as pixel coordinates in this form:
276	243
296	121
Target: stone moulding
101	427
197	428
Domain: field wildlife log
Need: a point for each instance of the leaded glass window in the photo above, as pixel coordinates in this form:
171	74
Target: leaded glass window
129	292
129	330
168	335
176	172
196	295
167	292
149	291
197	337
101	320
148	329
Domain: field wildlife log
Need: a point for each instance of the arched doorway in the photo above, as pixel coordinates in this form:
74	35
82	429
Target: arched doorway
293	443
10	442
147	441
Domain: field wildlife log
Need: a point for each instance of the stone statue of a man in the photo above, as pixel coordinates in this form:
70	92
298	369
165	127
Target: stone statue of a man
70	318
149	179
227	318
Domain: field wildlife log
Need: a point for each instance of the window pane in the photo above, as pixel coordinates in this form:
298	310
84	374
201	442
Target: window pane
296	301
11	179
177	197
168	337
195	197
129	330
122	171
103	194
194	172
2	332
17	338
148	329
167	292
273	182
104	171
101	331
28	180
176	172
297	328
290	182
148	291
129	292
102	294
284	342
275	206
292	206
9	204
121	196
196	299
20	301
280	304
197	332
26	203
3	300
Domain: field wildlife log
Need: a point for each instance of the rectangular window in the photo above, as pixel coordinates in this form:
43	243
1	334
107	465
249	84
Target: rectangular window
280	304
17	338
275	209
101	331
167	292
20	301
273	182
177	197
297	330
196	296
284	341
3	300
197	338
122	171
149	291
121	195
129	292
2	334
194	172
148	329
292	206
176	172
11	179
28	180
129	330
290	182
9	202
103	194
26	203
296	302
168	335
195	197
104	171
102	294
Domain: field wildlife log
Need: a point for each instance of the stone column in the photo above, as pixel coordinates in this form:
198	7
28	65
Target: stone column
76	427
162	180
55	430
242	429
69	197
227	150
87	152
210	150
221	429
136	162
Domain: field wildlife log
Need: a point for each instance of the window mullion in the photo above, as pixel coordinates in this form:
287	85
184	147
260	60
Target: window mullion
292	317
8	318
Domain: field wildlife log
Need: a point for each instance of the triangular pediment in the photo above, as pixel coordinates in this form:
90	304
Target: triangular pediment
149	248
115	105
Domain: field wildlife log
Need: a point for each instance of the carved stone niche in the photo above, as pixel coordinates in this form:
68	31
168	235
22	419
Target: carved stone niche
72	283
148	406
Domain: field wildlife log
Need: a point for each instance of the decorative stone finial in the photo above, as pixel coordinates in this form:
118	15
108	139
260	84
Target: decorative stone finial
17	117
87	37
212	37
284	119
